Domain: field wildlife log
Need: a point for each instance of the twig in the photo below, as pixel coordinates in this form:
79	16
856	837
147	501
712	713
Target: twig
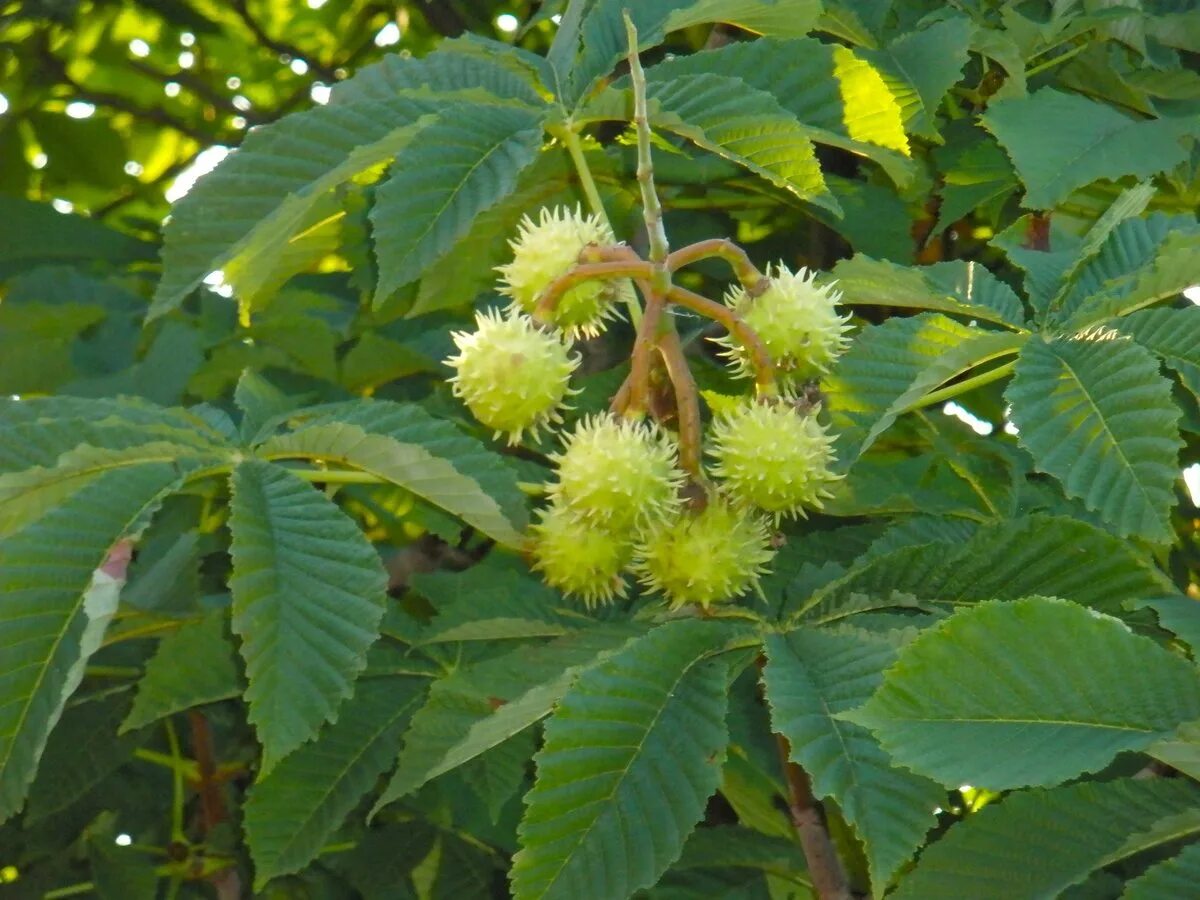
829	880
601	271
651	208
764	368
744	269
687	402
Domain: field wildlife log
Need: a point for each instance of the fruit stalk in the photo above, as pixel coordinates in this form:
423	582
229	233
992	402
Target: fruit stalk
754	281
764	368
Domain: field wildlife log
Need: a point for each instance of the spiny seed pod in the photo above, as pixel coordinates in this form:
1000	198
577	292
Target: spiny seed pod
707	557
544	251
512	375
772	457
579	559
797	322
618	473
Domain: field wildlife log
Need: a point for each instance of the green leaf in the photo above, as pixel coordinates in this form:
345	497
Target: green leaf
1167	880
921	66
963	288
405	445
1008	560
1180	615
1128	249
497	774
974	171
308	596
475	708
1169	274
83	749
744	125
1173	335
1180	750
1097	416
291	812
1038	843
891	366
56	608
36	234
1059	142
631	755
839	99
604	42
810	676
192	666
1021	712
460	167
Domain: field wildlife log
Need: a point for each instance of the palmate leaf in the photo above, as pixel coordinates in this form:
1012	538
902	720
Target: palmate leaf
1172	271
631	755
461	167
1007	560
195	665
291	812
1038	843
810	676
840	100
1169	879
1173	335
1021	712
308	596
604	44
36	234
56	607
407	446
476	708
1059	142
1097	416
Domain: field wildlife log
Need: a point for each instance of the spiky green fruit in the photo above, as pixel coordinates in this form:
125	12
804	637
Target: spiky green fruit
618	473
707	557
772	457
578	558
797	321
549	248
512	375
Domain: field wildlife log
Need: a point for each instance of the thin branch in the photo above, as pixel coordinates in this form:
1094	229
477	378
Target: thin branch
687	402
829	880
722	248
277	46
602	271
651	208
760	359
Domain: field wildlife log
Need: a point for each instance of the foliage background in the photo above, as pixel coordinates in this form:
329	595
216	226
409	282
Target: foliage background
107	103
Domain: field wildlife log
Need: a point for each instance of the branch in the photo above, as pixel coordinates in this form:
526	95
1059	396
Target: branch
601	271
651	208
747	273
281	47
687	402
829	880
764	368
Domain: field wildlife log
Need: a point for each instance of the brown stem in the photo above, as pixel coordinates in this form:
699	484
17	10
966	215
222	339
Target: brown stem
634	268
212	806
637	399
764	368
828	878
722	248
687	401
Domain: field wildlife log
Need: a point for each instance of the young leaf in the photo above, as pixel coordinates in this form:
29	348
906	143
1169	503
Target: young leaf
632	754
56	608
810	676
477	707
1059	142
308	596
1021	712
461	167
1038	843
1096	414
194	665
291	812
408	447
